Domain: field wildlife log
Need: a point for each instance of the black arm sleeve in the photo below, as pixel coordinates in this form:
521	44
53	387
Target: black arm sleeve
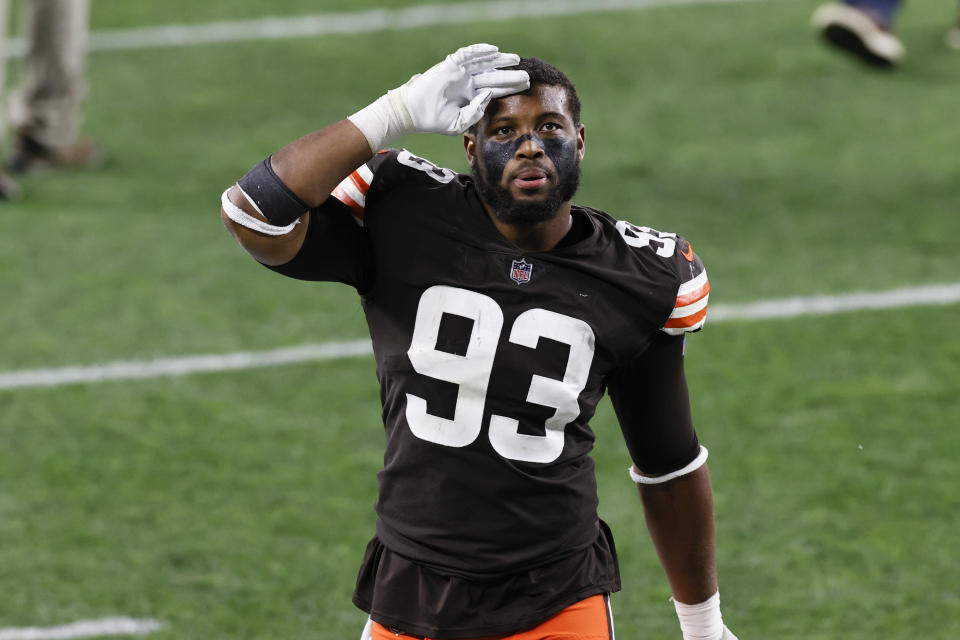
335	249
649	395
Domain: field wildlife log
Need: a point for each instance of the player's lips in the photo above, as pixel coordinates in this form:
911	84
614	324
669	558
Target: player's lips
530	178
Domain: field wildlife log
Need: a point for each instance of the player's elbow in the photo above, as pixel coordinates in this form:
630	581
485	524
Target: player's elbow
272	250
230	225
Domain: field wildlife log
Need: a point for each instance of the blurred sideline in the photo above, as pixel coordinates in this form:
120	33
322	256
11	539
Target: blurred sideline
84	629
323	24
941	294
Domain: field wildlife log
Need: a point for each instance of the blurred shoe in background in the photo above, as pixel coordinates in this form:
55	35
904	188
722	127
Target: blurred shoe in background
9	188
953	36
862	29
29	154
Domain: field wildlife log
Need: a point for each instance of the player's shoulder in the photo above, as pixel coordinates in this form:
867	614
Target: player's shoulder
384	173
667	263
400	164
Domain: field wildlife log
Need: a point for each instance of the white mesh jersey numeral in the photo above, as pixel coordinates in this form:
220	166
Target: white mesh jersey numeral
562	395
664	243
471	371
441	175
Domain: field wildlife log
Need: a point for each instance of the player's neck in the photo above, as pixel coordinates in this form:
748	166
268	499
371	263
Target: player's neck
539	237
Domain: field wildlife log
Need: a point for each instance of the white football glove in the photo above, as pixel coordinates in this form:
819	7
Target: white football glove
448	98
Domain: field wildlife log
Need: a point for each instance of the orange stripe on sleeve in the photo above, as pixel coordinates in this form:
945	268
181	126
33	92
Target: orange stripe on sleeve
693	296
359	182
686	321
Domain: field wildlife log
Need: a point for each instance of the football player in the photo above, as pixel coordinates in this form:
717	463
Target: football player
499	312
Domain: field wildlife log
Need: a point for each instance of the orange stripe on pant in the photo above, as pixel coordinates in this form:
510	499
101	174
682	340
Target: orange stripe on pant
584	620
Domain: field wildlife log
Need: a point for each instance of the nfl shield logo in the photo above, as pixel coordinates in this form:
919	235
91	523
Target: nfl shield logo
520	271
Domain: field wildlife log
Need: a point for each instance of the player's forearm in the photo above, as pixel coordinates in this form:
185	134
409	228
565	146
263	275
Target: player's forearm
679	517
313	165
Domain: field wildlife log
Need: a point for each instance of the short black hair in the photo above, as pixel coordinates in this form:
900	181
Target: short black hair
545	74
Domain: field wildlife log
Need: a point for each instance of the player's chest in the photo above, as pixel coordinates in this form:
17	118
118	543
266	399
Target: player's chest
518	309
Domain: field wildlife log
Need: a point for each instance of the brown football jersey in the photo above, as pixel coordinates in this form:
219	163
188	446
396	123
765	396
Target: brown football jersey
491	362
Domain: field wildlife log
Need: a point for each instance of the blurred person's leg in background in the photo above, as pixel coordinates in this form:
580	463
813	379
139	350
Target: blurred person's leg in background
953	36
46	109
9	189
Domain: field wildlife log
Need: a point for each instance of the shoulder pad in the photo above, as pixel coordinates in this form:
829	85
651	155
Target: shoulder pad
387	167
677	257
690	308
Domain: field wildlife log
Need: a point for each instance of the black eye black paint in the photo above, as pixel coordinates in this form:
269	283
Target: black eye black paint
496	155
494	158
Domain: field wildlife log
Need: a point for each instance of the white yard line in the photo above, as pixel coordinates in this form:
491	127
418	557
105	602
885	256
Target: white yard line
923	296
424	15
182	365
84	629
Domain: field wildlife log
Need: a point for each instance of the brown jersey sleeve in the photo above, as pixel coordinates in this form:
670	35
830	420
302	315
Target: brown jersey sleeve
335	249
650	397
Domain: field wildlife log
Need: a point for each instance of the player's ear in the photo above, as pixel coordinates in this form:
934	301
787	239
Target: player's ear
581	141
470	146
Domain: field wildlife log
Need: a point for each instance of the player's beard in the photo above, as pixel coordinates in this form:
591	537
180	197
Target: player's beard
494	159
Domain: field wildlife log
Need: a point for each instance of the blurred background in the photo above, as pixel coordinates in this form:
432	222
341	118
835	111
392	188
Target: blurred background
237	503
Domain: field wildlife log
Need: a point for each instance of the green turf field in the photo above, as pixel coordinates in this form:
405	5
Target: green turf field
237	505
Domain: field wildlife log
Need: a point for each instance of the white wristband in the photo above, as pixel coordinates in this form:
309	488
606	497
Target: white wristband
690	468
701	621
385	119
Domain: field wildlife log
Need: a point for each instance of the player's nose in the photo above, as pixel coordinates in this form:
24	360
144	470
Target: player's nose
530	148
